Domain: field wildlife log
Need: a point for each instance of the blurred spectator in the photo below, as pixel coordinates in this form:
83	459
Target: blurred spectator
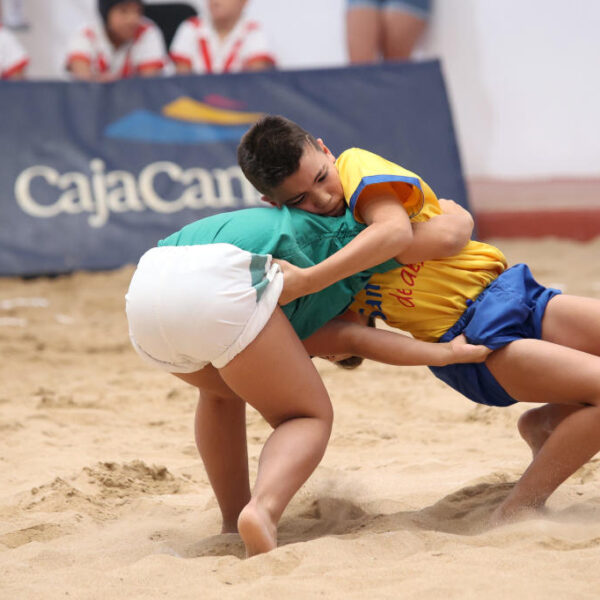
123	44
13	58
384	29
224	42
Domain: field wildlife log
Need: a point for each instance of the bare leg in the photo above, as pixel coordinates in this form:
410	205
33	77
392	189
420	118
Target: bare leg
573	321
570	321
363	34
536	425
401	32
275	375
220	431
533	369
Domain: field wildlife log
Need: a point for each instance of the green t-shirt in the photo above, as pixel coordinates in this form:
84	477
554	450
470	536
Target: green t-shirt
301	238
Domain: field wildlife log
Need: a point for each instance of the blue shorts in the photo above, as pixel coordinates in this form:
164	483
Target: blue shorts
510	308
419	8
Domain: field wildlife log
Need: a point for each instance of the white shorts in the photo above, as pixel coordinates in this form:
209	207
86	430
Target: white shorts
188	306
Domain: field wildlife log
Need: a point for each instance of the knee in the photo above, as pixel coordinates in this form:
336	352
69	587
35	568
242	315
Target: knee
321	414
527	420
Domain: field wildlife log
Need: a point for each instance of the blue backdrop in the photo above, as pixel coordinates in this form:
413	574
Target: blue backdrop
92	175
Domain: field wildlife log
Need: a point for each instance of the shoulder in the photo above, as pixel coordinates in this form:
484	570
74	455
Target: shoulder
369	162
189	29
146	28
88	34
252	31
357	158
84	42
355	154
193	24
251	26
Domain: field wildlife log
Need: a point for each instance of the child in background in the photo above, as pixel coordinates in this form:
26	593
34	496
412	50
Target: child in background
546	345
224	42
123	44
13	58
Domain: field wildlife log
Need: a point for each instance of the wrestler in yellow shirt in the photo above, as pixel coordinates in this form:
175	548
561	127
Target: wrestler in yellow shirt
425	299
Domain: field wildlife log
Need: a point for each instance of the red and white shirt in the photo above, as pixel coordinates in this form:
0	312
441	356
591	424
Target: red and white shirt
198	45
147	50
13	57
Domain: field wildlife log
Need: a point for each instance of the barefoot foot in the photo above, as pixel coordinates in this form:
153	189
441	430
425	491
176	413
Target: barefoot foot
257	530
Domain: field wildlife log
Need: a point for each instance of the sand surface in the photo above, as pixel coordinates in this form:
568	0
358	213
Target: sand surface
103	495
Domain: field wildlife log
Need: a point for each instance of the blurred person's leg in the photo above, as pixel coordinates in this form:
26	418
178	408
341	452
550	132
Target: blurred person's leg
403	23
363	31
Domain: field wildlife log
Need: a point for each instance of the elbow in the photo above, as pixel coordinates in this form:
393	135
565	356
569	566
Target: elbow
456	239
400	237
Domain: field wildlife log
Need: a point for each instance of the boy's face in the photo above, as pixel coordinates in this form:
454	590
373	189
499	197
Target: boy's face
225	10
315	187
123	21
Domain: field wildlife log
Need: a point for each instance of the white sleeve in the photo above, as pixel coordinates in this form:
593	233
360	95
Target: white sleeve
13	57
183	44
80	46
149	50
256	46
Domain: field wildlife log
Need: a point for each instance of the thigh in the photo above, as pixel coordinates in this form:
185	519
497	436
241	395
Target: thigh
539	371
573	321
208	380
401	32
363	33
276	376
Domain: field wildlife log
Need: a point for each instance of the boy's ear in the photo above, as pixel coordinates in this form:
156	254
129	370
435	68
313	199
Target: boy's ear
269	201
325	148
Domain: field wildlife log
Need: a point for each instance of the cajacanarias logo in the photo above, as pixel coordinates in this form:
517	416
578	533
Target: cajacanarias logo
42	191
185	121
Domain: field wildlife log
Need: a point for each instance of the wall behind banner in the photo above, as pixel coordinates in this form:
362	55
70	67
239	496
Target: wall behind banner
522	74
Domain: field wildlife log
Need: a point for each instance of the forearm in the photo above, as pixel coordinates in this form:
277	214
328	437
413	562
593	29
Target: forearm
397	349
343	337
374	245
440	237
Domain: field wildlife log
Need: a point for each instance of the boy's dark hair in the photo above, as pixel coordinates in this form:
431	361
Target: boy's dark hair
352	362
104	6
271	150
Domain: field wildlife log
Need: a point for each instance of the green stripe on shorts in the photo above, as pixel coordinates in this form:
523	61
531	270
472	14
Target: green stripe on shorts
258	264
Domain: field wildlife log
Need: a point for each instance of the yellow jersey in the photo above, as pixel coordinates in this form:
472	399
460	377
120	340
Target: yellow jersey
425	299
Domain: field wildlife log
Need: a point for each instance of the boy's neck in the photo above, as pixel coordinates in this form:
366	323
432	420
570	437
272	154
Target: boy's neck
115	42
225	26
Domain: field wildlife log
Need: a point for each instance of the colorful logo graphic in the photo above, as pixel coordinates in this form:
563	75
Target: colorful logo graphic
185	121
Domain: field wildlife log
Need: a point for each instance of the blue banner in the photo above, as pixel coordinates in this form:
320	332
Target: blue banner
92	175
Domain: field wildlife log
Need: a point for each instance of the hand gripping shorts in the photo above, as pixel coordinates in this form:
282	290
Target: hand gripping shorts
510	308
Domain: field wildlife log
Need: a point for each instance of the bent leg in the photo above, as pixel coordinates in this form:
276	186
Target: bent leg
536	425
533	371
573	321
276	376
570	321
